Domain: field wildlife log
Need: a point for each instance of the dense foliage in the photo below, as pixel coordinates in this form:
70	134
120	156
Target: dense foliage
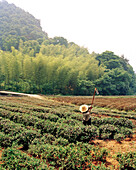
33	63
57	69
16	24
119	77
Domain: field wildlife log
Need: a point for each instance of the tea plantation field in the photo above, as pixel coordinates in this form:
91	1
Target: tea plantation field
48	133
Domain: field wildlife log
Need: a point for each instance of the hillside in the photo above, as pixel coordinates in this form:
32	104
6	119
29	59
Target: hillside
16	24
31	62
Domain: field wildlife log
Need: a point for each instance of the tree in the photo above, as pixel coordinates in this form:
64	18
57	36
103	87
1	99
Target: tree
85	87
9	41
30	47
40	72
114	82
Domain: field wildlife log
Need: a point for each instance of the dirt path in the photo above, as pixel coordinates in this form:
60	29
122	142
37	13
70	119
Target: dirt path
20	94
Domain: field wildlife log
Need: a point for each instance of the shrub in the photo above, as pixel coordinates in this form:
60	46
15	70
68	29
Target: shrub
11	128
105	135
126	131
102	166
25	138
88	133
127	160
119	137
49	127
71	133
15	159
72	156
123	122
110	129
48	137
5	140
70	121
61	141
113	121
77	116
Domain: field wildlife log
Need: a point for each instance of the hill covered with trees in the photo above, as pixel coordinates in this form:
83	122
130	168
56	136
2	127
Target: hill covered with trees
16	25
32	62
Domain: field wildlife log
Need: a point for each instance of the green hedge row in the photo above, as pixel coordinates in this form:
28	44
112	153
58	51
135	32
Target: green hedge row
71	129
56	114
68	131
13	132
55	158
15	159
60	112
71	156
123	122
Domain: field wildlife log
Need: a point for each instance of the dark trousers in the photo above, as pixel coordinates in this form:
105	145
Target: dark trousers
87	122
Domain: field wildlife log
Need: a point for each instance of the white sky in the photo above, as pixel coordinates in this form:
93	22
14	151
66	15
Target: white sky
98	25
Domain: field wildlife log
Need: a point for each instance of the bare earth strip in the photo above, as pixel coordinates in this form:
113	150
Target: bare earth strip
20	94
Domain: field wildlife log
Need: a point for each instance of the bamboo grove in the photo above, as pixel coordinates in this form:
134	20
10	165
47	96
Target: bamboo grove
52	74
57	69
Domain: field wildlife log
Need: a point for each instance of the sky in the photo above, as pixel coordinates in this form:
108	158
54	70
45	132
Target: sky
97	25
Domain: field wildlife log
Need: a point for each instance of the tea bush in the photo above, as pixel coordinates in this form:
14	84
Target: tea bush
71	156
25	138
119	137
108	129
60	141
15	159
123	122
126	131
5	140
127	160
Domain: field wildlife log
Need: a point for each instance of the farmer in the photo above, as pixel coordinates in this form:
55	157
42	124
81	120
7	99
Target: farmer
85	109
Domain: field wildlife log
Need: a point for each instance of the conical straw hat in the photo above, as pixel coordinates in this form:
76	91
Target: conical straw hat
83	108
